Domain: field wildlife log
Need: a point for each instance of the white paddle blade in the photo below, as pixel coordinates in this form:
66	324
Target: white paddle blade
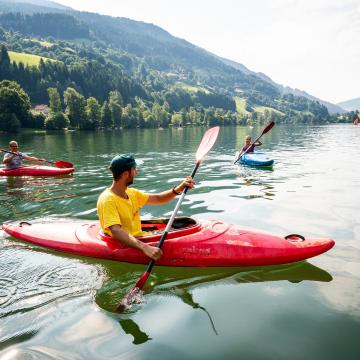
207	142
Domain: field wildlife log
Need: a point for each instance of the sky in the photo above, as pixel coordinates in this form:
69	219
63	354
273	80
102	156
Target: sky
311	45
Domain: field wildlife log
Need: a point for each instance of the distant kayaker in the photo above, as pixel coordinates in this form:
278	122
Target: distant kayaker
248	148
118	206
356	119
14	159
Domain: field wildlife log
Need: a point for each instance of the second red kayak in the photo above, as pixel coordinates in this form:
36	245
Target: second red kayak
190	243
36	170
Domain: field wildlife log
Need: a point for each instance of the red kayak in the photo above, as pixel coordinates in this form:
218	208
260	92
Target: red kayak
36	170
190	243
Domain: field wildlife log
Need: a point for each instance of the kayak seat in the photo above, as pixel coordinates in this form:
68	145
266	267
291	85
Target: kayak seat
160	224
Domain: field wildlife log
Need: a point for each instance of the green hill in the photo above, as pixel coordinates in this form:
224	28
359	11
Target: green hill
97	54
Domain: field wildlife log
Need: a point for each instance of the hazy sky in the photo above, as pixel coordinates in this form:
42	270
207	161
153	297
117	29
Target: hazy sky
312	45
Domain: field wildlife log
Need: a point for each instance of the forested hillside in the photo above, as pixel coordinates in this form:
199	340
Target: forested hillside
159	80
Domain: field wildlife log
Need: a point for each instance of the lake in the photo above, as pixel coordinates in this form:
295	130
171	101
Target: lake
60	306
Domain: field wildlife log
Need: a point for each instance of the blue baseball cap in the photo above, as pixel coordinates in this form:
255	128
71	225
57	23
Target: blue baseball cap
121	163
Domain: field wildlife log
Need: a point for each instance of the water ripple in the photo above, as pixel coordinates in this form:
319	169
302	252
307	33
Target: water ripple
33	279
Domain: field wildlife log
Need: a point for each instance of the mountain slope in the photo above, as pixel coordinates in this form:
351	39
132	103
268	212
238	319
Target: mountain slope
332	108
154	60
350	105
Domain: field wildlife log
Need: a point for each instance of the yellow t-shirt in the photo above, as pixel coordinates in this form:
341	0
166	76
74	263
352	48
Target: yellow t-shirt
113	209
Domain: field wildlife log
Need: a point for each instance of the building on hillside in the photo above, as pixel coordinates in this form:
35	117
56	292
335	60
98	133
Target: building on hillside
42	108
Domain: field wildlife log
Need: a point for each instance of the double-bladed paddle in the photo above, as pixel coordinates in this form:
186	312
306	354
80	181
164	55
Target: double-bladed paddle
59	164
267	128
205	146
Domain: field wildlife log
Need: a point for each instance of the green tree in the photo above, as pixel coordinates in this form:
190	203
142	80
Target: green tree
54	100
9	122
14	106
164	115
176	119
37	120
56	121
106	120
149	120
209	117
93	113
4	63
75	108
195	117
115	105
160	115
116	97
130	117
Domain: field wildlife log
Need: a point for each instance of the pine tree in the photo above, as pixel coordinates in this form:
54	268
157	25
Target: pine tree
5	65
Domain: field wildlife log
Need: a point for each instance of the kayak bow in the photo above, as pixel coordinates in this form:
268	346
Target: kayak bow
255	159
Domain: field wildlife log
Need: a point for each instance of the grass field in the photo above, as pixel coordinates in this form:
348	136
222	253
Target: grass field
26	59
191	88
261	110
241	106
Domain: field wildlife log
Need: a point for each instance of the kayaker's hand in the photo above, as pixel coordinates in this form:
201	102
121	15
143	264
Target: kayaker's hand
128	240
188	182
152	252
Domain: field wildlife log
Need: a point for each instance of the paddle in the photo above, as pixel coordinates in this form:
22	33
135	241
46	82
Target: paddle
205	146
267	128
59	164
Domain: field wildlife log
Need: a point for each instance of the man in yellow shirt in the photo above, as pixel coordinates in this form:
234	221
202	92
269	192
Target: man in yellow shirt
118	206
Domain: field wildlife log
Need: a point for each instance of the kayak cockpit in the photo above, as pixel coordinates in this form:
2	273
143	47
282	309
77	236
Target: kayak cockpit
182	226
160	224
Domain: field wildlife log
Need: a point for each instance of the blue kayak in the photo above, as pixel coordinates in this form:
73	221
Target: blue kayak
256	159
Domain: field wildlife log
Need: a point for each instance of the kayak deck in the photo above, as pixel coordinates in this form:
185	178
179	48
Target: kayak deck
193	243
255	159
36	170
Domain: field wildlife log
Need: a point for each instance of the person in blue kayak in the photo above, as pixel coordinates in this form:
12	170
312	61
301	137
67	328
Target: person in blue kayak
14	158
118	206
248	147
356	119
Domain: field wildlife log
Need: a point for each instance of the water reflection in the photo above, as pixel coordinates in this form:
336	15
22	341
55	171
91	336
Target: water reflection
130	327
21	197
39	189
181	281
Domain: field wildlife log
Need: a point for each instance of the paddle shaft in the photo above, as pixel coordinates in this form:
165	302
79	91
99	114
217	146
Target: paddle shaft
172	218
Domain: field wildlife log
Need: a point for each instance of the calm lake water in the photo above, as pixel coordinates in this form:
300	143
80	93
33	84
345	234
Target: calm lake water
59	306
